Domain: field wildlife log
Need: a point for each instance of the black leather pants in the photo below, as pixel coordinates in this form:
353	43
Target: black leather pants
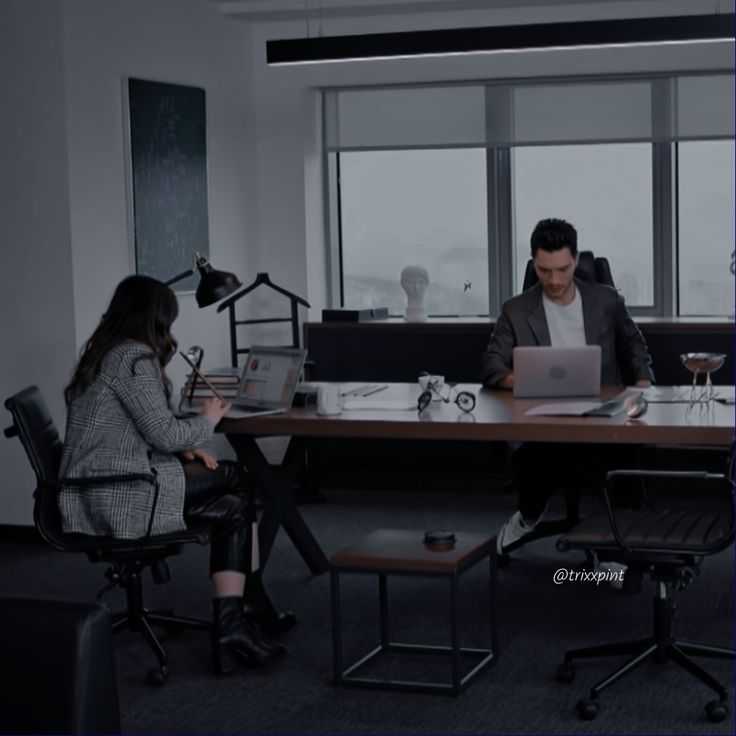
541	468
223	498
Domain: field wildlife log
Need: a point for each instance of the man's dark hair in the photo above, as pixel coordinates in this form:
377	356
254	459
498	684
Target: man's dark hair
553	234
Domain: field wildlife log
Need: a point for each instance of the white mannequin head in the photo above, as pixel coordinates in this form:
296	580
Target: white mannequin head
414	281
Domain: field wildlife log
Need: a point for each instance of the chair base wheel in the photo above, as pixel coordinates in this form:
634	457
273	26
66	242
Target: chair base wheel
716	711
158	676
565	672
587	710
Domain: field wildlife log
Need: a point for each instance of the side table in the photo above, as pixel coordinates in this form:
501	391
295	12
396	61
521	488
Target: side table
403	553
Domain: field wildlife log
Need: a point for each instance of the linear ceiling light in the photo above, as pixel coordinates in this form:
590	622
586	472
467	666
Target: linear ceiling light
537	36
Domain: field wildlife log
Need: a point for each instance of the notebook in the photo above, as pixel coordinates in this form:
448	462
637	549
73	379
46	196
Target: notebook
542	372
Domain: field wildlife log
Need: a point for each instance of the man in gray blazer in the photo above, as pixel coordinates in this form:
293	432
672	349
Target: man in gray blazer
561	311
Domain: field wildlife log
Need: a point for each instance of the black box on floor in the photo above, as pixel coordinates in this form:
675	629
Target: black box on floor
354	315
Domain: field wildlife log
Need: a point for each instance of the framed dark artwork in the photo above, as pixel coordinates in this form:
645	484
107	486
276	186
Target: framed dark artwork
168	154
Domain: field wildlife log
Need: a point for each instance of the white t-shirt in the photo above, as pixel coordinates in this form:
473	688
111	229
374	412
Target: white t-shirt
566	327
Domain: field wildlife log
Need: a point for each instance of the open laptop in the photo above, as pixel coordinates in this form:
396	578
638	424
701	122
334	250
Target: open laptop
269	381
543	372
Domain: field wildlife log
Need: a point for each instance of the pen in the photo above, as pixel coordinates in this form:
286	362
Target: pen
356	391
374	390
200	375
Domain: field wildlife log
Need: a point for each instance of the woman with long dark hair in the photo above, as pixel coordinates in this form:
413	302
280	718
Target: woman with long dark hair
119	421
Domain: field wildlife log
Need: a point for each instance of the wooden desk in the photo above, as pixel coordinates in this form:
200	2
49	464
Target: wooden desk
497	416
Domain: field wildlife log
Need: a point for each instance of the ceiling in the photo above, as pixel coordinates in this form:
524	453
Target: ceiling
275	10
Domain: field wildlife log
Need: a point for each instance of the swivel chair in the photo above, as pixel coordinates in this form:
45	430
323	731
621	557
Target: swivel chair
57	668
666	538
127	559
589	268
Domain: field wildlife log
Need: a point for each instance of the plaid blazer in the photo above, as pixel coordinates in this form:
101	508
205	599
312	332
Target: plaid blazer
122	423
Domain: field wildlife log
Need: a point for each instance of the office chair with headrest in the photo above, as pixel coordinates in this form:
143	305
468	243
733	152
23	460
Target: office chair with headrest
684	516
127	559
589	268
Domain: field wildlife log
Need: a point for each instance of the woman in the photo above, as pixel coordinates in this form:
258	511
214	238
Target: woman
119	422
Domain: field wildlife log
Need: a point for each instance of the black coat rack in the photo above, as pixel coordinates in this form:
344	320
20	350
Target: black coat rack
229	304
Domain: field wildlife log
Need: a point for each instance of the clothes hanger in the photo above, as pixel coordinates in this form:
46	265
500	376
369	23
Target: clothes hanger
261	278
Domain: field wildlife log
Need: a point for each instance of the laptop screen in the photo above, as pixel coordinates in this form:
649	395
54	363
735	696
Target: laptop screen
270	377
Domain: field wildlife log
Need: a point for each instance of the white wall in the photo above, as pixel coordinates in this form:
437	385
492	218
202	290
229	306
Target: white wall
36	296
178	41
63	180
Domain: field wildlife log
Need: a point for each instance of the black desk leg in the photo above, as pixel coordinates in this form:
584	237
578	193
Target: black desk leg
277	485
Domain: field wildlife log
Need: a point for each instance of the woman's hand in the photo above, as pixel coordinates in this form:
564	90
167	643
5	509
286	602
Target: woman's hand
209	461
214	409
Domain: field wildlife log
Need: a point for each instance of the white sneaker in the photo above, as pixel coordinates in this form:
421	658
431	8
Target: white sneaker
514	529
617	570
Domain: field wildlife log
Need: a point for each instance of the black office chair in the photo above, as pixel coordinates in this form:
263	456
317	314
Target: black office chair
683	517
589	268
127	559
57	668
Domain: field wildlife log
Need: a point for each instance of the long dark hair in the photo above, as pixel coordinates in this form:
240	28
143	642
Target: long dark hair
141	309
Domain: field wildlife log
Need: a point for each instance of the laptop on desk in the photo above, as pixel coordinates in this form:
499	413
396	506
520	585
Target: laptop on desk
269	381
267	384
546	372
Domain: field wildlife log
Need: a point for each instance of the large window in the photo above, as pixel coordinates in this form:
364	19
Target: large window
423	207
455	177
706	227
605	191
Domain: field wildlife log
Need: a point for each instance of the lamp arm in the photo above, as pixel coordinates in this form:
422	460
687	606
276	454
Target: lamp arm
179	277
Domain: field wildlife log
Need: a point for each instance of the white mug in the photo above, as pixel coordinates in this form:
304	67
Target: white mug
328	399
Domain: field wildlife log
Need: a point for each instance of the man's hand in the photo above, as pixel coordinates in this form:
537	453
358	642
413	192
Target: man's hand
643	383
507	382
209	461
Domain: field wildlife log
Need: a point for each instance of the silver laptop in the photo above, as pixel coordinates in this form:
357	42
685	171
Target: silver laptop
542	372
269	380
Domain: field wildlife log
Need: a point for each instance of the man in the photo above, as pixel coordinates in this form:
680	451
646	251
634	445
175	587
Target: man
562	311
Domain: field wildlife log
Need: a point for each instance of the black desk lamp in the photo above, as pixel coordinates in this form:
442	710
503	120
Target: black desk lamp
213	285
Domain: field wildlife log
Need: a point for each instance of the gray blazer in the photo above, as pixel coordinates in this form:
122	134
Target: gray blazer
122	423
624	355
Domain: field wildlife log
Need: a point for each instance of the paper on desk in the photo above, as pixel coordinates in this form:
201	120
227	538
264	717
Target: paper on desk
369	402
566	408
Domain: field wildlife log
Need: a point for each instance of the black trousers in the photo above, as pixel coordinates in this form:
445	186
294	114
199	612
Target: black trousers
541	468
223	498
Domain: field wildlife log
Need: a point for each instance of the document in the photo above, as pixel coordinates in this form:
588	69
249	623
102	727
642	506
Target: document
368	402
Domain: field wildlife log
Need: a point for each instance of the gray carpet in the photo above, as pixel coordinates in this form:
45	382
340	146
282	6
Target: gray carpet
538	620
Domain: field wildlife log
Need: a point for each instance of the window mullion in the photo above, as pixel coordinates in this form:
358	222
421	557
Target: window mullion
663	229
500	248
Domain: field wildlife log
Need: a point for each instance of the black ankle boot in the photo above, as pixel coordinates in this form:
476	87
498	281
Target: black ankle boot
258	606
234	639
